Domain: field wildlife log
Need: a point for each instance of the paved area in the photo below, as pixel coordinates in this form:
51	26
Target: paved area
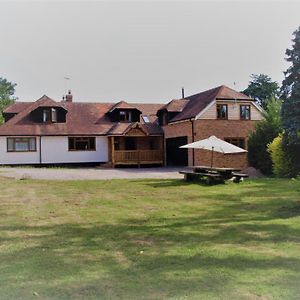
88	173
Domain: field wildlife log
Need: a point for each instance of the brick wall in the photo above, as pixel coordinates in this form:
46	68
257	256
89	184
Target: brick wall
221	129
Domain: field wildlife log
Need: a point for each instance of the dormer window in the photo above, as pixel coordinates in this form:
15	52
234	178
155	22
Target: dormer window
53	115
125	116
46	115
49	115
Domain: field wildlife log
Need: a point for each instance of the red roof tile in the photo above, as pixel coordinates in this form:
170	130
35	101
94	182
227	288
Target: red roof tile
81	118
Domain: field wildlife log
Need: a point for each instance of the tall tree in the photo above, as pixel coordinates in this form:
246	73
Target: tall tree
291	104
7	90
261	88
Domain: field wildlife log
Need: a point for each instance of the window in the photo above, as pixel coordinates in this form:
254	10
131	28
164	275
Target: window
245	112
146	119
53	115
49	115
125	116
21	144
222	111
82	144
46	115
240	142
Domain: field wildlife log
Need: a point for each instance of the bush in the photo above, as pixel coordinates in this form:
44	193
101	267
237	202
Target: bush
280	159
265	132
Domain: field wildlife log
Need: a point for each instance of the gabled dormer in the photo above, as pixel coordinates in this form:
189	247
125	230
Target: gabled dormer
48	111
124	112
170	111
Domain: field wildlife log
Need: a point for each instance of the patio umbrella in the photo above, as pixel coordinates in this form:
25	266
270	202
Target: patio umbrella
214	144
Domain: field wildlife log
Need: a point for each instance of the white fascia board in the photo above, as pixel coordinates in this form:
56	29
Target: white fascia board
205	109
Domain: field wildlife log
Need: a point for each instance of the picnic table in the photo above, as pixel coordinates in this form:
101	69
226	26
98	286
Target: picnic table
214	174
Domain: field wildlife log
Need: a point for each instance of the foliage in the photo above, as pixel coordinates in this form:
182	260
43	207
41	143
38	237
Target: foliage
291	104
7	90
261	88
265	132
280	158
149	239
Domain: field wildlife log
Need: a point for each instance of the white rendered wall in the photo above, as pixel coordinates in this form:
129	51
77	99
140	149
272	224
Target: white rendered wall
55	150
11	158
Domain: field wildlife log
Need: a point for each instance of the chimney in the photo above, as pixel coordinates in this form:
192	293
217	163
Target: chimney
182	92
69	97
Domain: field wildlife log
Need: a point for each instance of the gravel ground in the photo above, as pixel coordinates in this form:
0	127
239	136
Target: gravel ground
88	173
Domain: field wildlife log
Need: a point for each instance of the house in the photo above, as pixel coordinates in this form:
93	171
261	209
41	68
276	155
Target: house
57	132
51	132
220	111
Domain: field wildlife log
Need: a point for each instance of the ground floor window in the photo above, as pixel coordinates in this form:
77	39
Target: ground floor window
240	142
82	144
27	144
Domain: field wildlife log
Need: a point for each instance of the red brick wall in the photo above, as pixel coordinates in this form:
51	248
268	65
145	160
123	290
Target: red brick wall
221	129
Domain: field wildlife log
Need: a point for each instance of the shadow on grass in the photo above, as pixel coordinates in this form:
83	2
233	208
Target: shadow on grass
156	256
112	254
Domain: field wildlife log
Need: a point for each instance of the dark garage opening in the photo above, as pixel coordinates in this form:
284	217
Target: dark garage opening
175	155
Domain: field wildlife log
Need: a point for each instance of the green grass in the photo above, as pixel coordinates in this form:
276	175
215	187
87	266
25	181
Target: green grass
149	239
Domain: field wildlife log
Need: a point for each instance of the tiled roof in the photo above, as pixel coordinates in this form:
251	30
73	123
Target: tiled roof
175	105
16	107
81	118
199	101
122	128
84	118
122	105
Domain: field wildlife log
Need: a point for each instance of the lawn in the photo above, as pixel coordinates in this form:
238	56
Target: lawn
149	239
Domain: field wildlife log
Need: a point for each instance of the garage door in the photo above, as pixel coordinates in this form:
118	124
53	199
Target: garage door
175	155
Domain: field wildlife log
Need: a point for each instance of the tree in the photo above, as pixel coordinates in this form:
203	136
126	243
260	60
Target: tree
265	132
291	104
261	88
7	90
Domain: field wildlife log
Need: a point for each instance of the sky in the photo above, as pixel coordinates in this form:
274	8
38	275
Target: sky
141	51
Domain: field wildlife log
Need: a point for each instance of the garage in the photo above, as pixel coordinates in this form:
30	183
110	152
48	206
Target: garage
176	156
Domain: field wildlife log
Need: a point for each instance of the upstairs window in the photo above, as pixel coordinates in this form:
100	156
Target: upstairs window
82	144
245	112
49	115
21	144
125	116
53	115
46	116
222	111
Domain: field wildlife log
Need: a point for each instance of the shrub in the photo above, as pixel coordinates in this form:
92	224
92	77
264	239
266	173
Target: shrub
265	132
280	159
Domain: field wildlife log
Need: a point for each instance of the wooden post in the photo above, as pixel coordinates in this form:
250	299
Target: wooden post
113	151
139	158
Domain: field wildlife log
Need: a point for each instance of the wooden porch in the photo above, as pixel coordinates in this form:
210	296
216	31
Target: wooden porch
136	150
138	157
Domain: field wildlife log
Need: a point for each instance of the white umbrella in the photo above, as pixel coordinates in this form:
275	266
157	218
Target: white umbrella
215	144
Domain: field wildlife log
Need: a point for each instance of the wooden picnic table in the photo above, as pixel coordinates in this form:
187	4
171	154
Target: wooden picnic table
214	174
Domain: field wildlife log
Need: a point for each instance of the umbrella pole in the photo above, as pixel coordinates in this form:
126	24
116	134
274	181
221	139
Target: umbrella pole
212	156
